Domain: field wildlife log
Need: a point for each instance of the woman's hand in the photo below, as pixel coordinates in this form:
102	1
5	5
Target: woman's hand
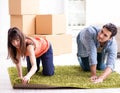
25	80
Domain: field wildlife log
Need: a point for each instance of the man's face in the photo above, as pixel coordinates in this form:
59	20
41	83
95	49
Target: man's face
104	35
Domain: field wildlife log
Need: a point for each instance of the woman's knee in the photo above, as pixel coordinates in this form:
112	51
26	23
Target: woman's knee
48	73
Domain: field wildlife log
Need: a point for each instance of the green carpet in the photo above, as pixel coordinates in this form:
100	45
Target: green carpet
65	77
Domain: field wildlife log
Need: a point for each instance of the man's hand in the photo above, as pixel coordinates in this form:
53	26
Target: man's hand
103	76
93	78
98	80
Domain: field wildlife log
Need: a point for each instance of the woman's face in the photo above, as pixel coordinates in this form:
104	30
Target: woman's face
104	35
16	43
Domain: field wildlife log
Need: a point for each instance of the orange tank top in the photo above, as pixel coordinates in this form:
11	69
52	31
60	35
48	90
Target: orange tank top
41	46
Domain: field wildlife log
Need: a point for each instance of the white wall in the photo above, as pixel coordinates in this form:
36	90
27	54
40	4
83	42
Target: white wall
102	11
51	6
4	26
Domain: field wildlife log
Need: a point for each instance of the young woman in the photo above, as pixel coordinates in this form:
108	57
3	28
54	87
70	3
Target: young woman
33	49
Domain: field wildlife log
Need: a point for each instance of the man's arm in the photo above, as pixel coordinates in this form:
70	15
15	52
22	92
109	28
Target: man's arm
93	72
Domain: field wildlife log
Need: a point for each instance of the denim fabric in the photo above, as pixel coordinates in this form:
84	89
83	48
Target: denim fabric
47	62
87	45
84	63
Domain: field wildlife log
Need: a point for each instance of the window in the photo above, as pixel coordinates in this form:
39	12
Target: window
76	13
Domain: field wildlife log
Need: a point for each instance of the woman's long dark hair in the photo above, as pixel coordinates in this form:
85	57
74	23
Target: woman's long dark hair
13	34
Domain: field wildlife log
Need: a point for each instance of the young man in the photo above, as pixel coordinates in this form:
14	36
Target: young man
97	49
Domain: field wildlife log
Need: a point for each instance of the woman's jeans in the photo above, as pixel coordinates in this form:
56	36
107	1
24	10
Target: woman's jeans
47	62
84	63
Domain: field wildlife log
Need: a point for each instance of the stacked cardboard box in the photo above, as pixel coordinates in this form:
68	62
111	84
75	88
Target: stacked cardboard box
53	27
51	24
61	44
24	14
25	23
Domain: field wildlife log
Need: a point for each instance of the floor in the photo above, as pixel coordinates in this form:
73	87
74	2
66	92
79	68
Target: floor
65	59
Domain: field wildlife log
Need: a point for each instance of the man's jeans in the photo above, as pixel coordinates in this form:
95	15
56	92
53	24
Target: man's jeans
84	63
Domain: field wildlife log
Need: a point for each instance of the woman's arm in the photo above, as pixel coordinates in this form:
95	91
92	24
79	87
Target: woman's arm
19	69
30	51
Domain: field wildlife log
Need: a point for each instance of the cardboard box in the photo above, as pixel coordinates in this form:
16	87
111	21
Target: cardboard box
61	44
19	7
50	24
26	23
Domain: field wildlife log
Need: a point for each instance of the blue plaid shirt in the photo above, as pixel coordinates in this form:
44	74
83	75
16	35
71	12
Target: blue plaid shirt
87	45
